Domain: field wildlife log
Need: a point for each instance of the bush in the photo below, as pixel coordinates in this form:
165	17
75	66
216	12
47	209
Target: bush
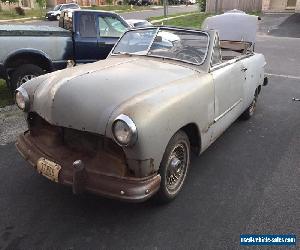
202	5
20	11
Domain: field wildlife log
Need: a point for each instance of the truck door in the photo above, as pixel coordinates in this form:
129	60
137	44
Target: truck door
110	28
85	38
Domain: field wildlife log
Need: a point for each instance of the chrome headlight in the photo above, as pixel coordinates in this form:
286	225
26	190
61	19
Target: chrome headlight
22	99
124	131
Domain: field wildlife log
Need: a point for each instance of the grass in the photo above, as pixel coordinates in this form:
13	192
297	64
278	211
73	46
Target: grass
191	21
194	20
11	14
6	97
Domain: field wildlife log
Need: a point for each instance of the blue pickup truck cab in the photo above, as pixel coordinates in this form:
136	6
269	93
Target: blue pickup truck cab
83	36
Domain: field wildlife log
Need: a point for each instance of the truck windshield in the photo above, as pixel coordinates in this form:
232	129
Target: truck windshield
57	7
177	44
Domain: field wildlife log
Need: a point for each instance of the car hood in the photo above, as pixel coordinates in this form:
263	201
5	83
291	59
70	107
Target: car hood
85	96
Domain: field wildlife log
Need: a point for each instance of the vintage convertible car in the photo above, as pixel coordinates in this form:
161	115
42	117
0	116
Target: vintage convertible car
125	127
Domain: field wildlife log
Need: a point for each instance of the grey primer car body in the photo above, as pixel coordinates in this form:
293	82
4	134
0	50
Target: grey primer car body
157	94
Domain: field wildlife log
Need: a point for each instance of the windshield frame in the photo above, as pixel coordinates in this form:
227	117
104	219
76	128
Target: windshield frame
158	28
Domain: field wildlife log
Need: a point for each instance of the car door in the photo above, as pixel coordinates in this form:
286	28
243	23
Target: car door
229	80
110	28
254	76
86	38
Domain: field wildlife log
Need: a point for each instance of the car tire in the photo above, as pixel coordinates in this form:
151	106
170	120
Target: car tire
174	167
24	73
57	17
249	112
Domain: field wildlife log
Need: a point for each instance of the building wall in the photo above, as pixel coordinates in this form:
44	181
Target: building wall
297	9
277	4
224	5
280	5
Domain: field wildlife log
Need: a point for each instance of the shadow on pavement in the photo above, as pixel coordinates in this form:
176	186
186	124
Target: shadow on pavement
288	28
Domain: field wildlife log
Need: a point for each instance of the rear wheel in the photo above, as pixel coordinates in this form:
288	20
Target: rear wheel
249	112
57	17
25	73
174	167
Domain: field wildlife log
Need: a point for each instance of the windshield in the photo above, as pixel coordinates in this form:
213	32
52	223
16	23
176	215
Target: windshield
188	46
57	7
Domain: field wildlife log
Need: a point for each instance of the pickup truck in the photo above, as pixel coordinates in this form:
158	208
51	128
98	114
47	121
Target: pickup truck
83	36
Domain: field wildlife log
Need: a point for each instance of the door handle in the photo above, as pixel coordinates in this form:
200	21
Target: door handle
243	69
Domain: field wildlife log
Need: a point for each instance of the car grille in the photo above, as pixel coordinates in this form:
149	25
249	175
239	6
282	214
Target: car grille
76	140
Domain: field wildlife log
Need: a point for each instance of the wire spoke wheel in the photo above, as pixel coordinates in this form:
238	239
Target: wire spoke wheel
252	107
24	79
176	167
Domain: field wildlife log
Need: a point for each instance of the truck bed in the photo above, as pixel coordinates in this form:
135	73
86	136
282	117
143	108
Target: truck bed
28	30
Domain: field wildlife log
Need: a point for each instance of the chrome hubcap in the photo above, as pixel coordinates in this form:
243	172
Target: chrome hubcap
24	79
176	168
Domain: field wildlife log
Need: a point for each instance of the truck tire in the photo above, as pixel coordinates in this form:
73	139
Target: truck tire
174	167
23	74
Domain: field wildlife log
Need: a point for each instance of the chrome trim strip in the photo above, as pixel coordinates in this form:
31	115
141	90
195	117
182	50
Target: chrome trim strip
228	110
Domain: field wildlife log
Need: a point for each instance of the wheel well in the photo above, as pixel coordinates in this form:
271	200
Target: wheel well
192	132
257	91
29	58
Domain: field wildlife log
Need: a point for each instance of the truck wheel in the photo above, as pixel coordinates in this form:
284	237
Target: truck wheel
25	73
249	112
174	167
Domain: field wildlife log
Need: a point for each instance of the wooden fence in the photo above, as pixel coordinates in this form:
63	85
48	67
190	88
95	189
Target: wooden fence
225	5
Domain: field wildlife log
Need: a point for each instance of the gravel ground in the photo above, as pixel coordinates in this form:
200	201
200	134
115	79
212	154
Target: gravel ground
12	123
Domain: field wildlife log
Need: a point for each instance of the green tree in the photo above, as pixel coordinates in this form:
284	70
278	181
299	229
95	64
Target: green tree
202	5
41	4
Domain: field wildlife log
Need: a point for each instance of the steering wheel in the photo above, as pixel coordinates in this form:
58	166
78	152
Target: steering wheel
191	55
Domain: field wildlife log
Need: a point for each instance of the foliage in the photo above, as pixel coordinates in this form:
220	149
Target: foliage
6	98
20	11
41	3
202	5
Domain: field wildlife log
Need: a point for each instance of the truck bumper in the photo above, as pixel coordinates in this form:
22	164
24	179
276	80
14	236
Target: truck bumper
84	179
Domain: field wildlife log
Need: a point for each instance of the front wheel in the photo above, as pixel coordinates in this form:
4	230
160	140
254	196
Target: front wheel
174	167
25	73
57	17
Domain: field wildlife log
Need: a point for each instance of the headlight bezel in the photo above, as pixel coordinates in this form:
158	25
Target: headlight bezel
25	96
131	125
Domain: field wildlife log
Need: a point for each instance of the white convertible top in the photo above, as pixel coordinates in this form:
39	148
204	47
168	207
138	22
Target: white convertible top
234	25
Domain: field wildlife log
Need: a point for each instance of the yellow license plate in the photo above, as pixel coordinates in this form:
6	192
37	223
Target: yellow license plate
48	168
